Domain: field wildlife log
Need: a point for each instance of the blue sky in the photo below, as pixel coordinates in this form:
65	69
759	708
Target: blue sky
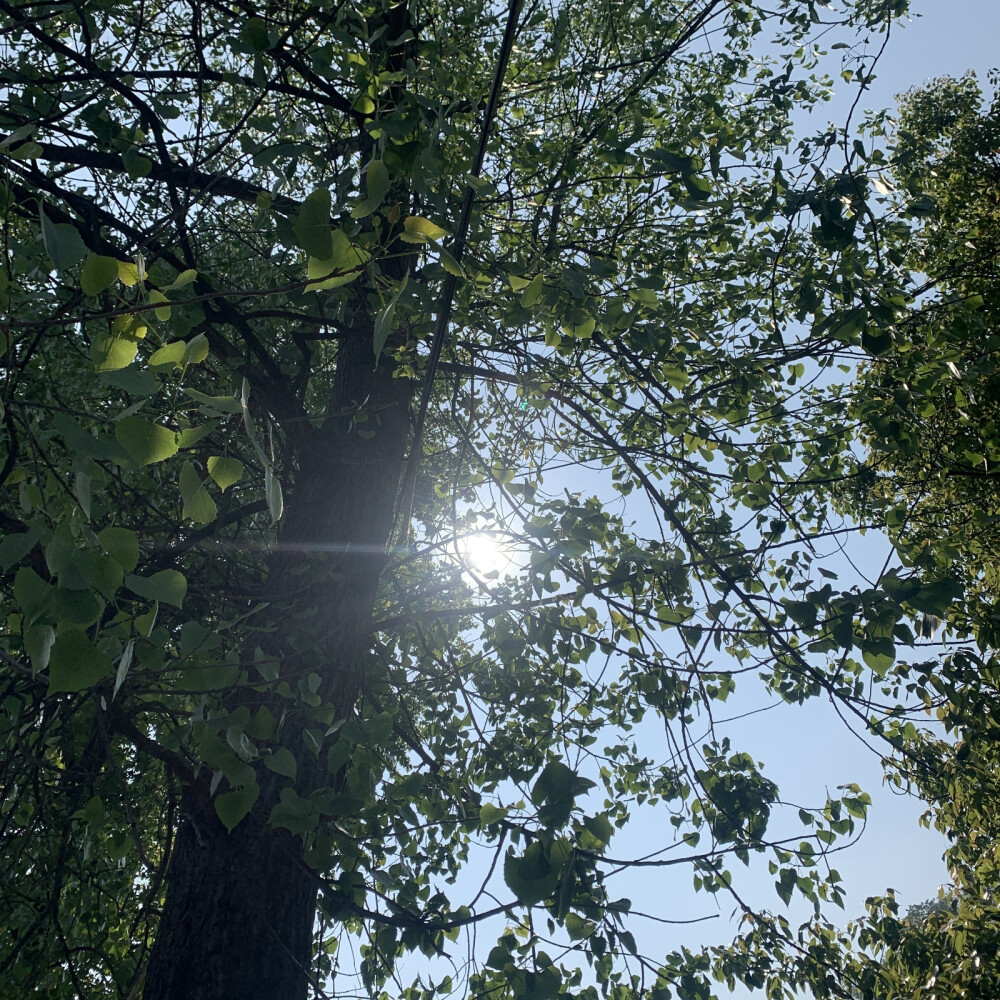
943	38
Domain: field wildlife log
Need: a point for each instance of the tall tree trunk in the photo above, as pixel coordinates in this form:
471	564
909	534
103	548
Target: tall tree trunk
238	918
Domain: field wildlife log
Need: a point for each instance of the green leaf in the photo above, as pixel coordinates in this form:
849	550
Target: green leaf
190	436
66	560
383	326
600	829
879	654
698	187
377	181
377	186
128	273
254	34
282	762
167	357
98	273
102	573
232	807
122	545
530	877
75	663
644	296
78	568
184	278
533	290
136	165
168	586
198	506
312	225
15	546
499	958
38	642
76	607
385	316
225	471
110	353
556	787
29	150
341	266
223	404
62	242
163	312
420	230
32	593
449	263
146	443
490	814
802	612
196	350
935	598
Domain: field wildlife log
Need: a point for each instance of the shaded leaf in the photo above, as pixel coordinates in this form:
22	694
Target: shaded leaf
312	225
198	506
168	586
232	807
63	243
281	762
76	663
122	545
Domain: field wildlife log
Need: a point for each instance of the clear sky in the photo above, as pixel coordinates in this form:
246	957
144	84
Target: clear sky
943	38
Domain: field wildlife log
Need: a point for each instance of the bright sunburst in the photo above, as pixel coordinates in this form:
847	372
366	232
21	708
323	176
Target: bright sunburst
485	554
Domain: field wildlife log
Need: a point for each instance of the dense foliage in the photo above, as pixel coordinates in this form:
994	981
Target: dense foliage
302	303
931	408
928	413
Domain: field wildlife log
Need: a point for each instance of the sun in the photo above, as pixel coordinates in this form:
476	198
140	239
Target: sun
484	554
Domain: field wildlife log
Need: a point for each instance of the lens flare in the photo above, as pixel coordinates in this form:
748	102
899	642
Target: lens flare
484	554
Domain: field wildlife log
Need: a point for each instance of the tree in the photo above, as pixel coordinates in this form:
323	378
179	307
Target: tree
926	408
929	411
298	297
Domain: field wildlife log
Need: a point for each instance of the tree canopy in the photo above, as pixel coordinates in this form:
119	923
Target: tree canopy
304	301
927	412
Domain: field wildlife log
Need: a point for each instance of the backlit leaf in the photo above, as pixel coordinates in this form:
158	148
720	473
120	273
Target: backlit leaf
145	442
421	230
225	471
343	265
98	273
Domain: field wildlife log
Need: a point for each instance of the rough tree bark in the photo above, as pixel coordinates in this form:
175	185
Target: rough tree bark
239	912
